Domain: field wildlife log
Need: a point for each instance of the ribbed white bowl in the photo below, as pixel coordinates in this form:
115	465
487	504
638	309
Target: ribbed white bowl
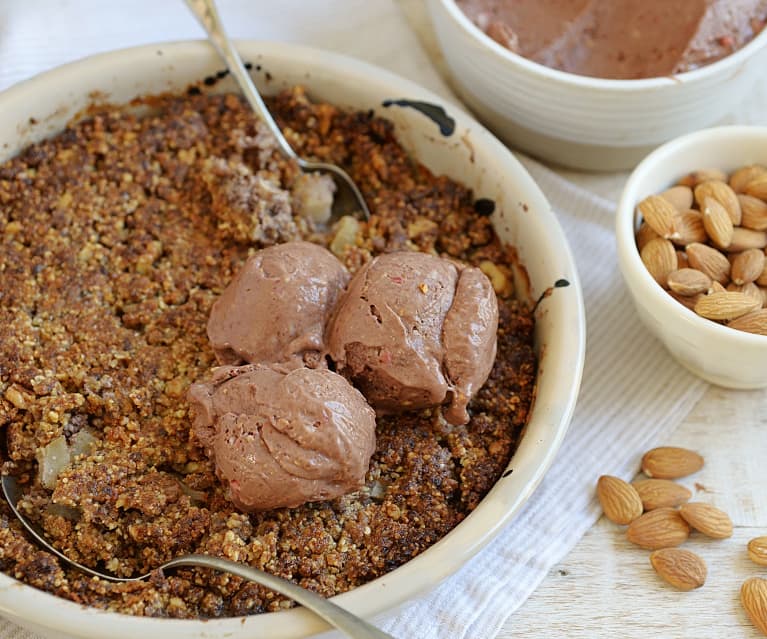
583	122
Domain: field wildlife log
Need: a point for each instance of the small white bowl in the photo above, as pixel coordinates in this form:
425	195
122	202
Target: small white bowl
466	152
583	122
720	355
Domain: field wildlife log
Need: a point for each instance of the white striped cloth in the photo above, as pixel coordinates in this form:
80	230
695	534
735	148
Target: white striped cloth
633	394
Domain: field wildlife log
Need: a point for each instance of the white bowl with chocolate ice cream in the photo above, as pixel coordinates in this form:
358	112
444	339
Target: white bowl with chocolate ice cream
597	84
281	425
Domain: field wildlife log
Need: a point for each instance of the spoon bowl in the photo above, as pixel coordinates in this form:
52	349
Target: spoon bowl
349	199
336	616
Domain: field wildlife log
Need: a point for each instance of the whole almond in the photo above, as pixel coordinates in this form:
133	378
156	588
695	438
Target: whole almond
709	261
703	175
707	519
681	260
740	178
661	493
717	222
743	239
762	279
754	322
679	196
747	266
725	305
659	528
721	192
619	499
683	569
757	550
659	213
754	212
750	289
689	228
688	281
671	462
757	187
659	257
753	597
645	234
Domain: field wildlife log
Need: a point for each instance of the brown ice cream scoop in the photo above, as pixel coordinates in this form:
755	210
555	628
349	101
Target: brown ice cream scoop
276	308
281	440
414	331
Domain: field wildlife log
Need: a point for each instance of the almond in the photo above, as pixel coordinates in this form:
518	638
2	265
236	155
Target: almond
750	289
703	175
689	228
659	257
619	500
709	261
670	462
681	260
659	213
725	305
683	569
659	528
688	281
686	300
721	192
717	222
679	196
762	279
644	235
754	212
757	187
757	550
743	239
707	519
753	597
747	266
716	287
754	322
740	178
661	493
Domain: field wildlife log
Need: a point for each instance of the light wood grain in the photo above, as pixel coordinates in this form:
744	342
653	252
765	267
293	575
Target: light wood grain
606	586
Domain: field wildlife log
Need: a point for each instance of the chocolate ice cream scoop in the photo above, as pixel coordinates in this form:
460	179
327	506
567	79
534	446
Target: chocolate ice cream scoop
281	440
276	308
414	331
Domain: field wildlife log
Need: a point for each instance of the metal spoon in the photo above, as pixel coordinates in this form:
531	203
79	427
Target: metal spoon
206	13
330	612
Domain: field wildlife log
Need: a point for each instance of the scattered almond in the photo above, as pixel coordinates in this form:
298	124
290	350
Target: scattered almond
753	597
659	213
754	322
757	550
725	305
661	493
619	500
720	191
754	212
659	528
683	569
645	234
750	289
681	260
679	196
707	519
762	279
747	266
671	462
716	287
659	257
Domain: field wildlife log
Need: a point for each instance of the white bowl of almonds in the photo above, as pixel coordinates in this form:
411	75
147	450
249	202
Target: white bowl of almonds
692	232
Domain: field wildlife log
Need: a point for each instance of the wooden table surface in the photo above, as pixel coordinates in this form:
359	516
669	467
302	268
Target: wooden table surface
606	587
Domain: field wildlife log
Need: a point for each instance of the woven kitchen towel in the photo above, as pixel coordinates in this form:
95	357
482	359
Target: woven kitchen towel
633	394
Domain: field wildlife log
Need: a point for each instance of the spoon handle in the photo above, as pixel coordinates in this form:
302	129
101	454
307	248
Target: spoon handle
333	614
207	14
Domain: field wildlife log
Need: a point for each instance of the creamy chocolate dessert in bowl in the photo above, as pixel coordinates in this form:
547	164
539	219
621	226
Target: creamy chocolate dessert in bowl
144	421
595	84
